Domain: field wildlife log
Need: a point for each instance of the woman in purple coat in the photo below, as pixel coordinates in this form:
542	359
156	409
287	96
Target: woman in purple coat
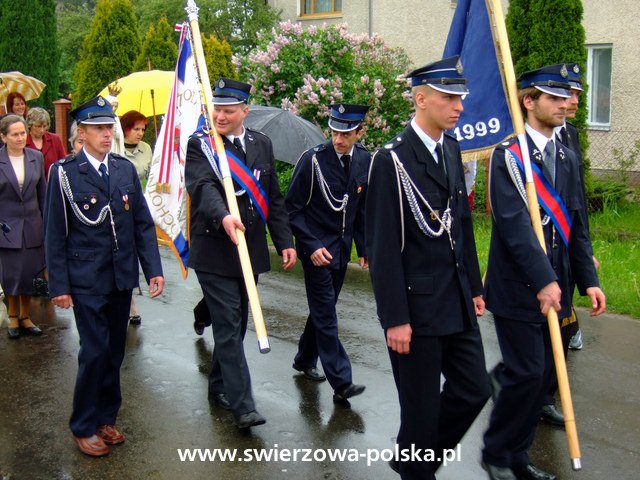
22	192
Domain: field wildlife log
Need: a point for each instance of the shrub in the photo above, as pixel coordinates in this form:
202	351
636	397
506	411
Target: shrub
306	71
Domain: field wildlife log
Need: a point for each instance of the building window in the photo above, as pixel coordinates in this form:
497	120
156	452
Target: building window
321	7
599	81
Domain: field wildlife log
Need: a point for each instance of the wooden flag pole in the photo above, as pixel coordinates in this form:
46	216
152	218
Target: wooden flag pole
227	181
500	36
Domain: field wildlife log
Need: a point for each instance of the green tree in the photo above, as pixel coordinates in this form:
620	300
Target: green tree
108	50
74	22
236	21
543	32
29	44
217	54
158	49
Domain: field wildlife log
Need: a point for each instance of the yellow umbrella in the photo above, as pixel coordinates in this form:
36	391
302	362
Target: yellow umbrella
29	87
147	92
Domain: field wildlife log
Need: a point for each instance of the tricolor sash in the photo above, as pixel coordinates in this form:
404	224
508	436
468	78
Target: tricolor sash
245	178
548	198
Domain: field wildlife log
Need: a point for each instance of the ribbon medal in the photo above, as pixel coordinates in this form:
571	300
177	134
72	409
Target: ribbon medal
125	199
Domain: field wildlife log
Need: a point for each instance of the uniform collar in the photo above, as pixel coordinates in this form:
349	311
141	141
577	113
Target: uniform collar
538	138
429	142
95	163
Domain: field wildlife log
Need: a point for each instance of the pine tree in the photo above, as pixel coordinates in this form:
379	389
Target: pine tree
218	57
159	48
544	32
28	43
109	50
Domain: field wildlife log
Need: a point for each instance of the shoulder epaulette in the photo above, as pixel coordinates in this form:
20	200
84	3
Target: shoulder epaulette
452	137
68	159
394	142
255	131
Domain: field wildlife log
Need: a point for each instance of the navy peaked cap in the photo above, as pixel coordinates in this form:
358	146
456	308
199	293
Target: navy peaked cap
97	111
344	117
444	75
551	79
230	92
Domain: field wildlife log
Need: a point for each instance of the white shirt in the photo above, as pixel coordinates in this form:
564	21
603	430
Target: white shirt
538	138
241	137
341	154
429	142
95	163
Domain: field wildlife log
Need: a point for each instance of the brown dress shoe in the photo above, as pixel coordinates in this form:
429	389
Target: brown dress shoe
92	446
110	434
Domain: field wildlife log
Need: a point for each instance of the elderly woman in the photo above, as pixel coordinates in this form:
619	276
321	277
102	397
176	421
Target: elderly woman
16	104
39	138
22	191
75	141
134	124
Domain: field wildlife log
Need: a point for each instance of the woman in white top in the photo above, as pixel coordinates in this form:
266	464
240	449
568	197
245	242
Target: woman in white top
22	191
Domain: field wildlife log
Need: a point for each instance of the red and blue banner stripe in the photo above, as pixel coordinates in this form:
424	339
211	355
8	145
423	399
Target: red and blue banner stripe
548	198
246	179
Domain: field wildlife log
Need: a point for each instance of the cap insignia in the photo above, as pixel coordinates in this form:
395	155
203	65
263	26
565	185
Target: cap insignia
101	102
459	68
564	72
221	83
341	108
576	68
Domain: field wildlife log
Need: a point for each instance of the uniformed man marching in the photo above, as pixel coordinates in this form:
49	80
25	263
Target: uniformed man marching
425	272
97	227
523	281
213	252
325	202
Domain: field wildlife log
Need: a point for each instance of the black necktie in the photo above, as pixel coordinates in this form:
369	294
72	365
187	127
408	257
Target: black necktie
105	176
564	136
238	144
440	154
346	160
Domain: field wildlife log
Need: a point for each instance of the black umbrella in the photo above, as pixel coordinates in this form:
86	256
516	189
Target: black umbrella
291	135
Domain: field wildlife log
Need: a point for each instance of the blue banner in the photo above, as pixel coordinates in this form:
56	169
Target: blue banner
486	120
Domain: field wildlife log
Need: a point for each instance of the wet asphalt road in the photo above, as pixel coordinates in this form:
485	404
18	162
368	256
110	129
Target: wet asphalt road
165	405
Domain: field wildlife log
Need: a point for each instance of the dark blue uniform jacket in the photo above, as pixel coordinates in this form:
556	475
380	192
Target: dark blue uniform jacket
83	259
313	222
518	268
427	284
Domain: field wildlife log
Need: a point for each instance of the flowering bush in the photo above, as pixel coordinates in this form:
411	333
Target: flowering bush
305	71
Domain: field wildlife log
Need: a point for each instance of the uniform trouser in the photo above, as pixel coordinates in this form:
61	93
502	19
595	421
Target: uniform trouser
227	301
528	366
431	417
566	332
102	325
320	336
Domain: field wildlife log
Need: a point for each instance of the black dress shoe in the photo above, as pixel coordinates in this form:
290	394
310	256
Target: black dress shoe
550	414
34	331
349	391
251	419
311	373
198	327
499	473
14	333
221	400
531	472
135	319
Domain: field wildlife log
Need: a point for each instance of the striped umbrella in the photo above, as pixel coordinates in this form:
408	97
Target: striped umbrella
29	87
